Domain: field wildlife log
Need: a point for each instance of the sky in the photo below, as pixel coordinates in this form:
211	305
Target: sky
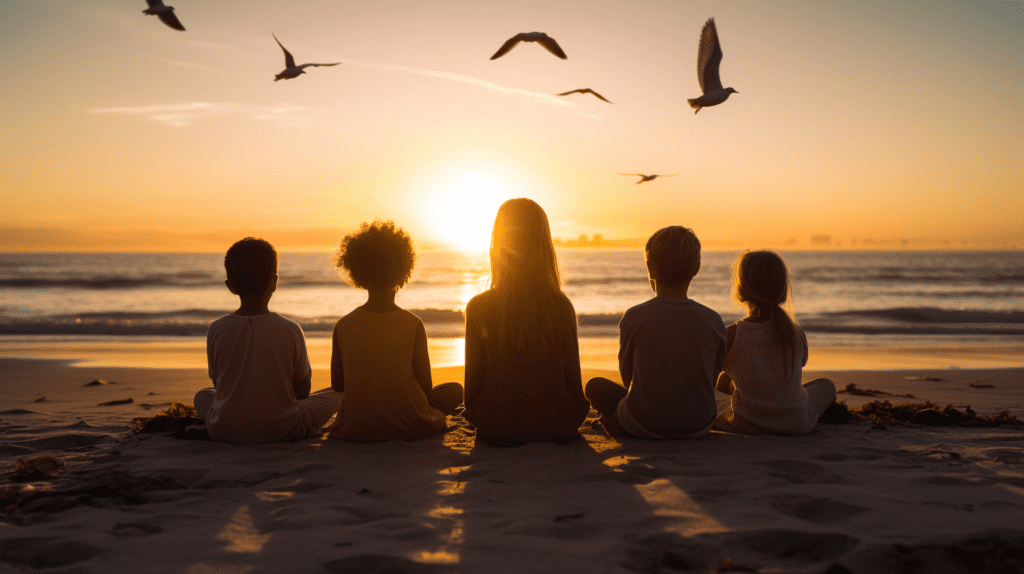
864	122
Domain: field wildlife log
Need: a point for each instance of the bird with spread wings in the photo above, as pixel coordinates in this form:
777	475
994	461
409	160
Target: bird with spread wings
709	57
540	37
650	177
291	70
165	13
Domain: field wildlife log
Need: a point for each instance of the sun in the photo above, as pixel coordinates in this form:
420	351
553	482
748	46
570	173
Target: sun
465	206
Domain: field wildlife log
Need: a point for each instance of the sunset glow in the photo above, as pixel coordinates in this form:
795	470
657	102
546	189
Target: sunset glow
146	138
465	208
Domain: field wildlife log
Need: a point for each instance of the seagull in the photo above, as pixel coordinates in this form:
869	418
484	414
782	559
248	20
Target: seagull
585	91
545	40
291	70
165	13
644	178
709	56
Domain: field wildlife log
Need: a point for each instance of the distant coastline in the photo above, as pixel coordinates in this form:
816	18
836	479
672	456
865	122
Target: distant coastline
323	239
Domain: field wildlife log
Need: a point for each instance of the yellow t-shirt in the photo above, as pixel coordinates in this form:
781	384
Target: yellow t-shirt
383	400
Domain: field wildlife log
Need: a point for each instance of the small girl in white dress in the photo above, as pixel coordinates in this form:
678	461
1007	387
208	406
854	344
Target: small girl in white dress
765	355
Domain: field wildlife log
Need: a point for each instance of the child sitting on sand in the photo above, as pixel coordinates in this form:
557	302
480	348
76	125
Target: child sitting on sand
522	356
258	363
766	353
379	355
671	349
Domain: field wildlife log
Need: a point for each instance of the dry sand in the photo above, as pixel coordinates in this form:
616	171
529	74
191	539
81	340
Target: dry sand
851	498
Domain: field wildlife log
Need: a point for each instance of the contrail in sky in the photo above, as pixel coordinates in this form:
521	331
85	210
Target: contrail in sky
454	76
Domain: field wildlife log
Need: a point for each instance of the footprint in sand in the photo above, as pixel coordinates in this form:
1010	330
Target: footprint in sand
134	530
803	472
383	563
794	546
37	553
814	509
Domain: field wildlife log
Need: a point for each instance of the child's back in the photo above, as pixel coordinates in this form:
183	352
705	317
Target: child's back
767	395
257	361
383	398
766	354
523	380
253	361
673	351
379	355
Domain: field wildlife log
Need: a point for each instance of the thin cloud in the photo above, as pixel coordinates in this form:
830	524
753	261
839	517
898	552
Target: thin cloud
462	78
184	64
186	113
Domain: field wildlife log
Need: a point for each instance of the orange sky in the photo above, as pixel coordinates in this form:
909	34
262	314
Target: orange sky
865	120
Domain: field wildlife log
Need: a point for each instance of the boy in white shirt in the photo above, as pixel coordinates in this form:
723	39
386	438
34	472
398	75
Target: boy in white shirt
258	363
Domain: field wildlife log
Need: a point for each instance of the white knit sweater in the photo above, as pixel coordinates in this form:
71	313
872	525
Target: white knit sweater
768	396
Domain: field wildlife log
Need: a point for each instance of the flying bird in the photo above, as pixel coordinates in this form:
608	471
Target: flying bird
585	91
165	13
644	178
291	70
545	40
709	56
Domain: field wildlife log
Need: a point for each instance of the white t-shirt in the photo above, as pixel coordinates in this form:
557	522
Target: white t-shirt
253	362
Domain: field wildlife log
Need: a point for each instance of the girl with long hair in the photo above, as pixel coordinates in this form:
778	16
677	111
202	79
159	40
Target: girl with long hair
523	380
766	352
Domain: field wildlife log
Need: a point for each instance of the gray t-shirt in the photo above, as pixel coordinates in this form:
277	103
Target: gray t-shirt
670	354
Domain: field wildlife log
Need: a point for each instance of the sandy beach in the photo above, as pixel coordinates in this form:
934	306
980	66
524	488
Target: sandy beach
858	498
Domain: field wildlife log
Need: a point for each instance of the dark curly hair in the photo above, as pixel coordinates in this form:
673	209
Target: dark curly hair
251	265
378	256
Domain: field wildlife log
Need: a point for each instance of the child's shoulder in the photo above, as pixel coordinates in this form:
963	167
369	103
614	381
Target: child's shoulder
661	309
359	315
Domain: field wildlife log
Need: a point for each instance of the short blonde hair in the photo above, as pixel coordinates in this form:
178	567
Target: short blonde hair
675	253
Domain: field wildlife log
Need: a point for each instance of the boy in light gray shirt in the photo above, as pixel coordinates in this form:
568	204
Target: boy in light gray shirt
671	350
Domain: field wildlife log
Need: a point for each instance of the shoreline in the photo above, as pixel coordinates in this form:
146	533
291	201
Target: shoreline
596	352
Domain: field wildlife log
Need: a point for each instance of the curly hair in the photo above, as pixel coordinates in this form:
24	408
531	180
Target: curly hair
251	265
378	256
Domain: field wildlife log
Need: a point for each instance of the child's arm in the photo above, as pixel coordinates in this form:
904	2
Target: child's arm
421	360
337	368
625	357
304	384
475	367
724	383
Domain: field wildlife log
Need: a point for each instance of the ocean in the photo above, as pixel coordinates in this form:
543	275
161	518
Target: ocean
840	297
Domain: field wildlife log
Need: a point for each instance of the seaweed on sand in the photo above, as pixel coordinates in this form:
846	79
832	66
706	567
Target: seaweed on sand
177	418
927	412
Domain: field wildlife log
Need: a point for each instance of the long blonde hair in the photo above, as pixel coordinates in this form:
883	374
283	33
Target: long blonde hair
530	308
761	284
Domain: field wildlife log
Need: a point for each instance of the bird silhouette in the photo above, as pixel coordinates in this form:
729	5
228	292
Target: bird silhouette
165	13
585	91
291	70
544	40
709	56
650	177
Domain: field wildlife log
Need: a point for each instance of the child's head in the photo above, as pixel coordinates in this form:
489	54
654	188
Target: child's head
760	282
522	254
378	256
673	256
251	265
